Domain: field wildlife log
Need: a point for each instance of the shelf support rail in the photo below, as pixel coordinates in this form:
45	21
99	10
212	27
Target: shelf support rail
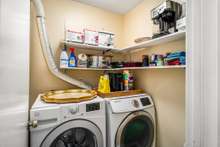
48	51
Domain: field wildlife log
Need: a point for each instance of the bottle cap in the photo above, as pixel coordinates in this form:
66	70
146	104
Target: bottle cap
72	49
65	47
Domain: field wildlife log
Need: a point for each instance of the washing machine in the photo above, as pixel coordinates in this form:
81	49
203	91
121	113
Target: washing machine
68	125
131	121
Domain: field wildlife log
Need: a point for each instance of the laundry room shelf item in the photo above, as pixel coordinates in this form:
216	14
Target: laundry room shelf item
68	96
90	47
120	93
129	68
156	41
136	47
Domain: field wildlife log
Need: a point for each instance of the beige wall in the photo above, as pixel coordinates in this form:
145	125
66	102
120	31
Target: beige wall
70	13
137	23
167	86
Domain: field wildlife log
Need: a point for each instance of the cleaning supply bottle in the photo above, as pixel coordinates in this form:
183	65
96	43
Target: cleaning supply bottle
72	58
131	82
64	60
104	84
126	79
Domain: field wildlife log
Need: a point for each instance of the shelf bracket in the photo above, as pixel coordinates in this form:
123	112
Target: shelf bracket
106	51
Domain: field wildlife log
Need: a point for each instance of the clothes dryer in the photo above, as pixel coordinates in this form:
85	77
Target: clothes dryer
131	121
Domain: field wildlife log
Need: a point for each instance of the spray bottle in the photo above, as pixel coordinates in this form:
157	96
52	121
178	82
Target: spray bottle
72	58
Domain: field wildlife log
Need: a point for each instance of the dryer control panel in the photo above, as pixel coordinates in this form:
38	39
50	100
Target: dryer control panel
145	101
128	104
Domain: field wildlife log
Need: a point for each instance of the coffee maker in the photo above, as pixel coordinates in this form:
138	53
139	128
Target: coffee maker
166	15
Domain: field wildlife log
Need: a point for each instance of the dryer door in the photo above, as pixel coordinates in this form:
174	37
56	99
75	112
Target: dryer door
137	130
75	133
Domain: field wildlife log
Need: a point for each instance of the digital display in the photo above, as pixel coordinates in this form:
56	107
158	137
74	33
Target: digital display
92	107
145	101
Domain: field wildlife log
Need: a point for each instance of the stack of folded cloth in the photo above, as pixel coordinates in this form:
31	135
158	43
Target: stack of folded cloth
177	58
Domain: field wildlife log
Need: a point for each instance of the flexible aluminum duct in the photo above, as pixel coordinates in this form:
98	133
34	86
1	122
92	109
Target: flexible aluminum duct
47	50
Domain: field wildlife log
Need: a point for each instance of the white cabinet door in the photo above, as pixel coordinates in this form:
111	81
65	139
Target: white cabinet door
14	72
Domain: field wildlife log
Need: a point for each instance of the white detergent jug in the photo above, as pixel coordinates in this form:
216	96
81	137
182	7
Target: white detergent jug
64	59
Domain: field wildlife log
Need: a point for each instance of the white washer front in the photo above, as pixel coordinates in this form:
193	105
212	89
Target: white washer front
74	133
68	125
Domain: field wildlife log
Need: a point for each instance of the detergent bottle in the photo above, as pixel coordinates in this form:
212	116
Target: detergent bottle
72	58
64	60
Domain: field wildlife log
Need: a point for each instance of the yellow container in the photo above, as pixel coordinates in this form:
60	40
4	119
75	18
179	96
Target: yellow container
104	84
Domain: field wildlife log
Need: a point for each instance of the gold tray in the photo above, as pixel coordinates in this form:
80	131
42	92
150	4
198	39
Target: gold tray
68	96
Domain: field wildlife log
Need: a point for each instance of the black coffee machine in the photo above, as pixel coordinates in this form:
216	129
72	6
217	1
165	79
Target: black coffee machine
166	15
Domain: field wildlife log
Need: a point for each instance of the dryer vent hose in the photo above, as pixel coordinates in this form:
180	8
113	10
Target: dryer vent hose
48	51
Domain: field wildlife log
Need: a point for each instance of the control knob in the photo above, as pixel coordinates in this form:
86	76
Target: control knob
73	110
135	103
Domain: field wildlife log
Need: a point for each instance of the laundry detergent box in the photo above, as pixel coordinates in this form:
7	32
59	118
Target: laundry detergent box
74	36
106	39
91	37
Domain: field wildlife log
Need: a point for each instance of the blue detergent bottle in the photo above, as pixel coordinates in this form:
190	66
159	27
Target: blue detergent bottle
72	58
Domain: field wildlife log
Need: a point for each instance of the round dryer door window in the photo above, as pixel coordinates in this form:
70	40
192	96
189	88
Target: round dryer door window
137	130
76	133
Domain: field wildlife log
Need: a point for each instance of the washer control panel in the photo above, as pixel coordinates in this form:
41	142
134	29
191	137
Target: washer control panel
69	110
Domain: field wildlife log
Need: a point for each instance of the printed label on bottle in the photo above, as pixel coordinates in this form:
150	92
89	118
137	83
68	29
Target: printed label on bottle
72	62
63	63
